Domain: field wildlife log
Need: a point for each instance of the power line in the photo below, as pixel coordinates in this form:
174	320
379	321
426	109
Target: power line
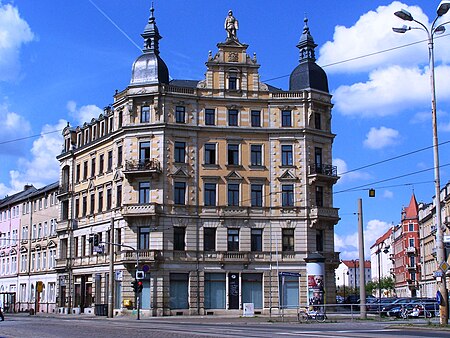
28	137
363	56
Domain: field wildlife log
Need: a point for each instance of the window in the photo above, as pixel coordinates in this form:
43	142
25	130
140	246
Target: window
119	156
287	195
286	155
209	239
215	291
180	193
411	242
85	170
101	164
412	261
233	154
144	192
210	194
233	239
317	121
210	117
180	152
108	198
210	153
256	239
233	194
286	118
288	239
93	167
78	173
319	240
110	161
180	114
256	195
232	83
119	122
318	159
145	114
100	201
256	155
92	204
119	196
144	152
232	117
84	211
256	118
178	238
411	227
319	196
179	290
144	238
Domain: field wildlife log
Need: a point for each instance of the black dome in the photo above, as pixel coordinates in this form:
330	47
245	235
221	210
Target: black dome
308	75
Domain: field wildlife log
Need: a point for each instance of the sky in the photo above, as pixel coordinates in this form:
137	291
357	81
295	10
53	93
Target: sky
61	61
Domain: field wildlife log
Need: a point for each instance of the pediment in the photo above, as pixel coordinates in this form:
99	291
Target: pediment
234	176
23	249
287	176
13	252
91	185
180	173
51	244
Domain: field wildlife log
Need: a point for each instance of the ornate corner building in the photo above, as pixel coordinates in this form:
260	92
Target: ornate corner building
219	190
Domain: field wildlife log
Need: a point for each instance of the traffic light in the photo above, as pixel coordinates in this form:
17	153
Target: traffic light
134	285
95	239
140	286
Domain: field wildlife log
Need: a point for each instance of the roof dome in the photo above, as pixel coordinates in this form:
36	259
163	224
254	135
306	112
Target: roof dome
149	68
308	74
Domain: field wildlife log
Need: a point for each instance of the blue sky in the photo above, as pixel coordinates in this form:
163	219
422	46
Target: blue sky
62	61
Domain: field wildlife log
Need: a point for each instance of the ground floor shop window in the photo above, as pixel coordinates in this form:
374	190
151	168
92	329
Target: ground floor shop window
145	295
289	292
252	289
215	291
179	285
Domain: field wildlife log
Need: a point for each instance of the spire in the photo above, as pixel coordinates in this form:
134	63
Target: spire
306	44
151	35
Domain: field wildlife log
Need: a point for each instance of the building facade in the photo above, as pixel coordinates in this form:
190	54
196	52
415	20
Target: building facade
28	249
219	190
381	256
406	252
347	275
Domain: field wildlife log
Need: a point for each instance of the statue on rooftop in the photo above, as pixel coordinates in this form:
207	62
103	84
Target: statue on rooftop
231	26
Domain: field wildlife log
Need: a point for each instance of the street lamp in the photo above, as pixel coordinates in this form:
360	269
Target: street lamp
378	252
442	9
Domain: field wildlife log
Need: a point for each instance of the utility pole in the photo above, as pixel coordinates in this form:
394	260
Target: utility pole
362	281
111	271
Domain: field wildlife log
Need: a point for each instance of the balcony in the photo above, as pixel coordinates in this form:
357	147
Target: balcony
145	256
433	229
322	213
323	172
410	250
226	257
135	168
61	263
64	189
140	210
411	266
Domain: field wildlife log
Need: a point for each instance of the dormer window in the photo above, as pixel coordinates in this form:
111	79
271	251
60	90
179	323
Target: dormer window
233	80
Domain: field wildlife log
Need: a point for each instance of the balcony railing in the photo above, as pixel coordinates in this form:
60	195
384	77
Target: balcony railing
411	250
140	210
323	169
141	167
64	188
145	256
411	266
323	212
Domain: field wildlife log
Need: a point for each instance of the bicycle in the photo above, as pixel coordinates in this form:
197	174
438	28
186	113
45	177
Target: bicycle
305	315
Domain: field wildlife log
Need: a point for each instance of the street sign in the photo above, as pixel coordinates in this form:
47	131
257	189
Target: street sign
290	274
99	249
140	274
438	273
444	266
446	238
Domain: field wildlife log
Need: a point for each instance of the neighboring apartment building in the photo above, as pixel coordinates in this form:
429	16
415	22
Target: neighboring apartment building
37	278
223	187
347	275
427	236
28	249
381	256
406	252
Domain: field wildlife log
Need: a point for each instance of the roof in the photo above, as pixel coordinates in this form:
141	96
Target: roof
351	263
184	83
8	200
383	237
411	212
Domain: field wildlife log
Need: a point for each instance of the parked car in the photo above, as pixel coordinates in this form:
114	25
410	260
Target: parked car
379	304
339	299
397	302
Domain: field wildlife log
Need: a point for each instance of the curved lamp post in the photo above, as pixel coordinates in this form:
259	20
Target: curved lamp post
442	9
380	249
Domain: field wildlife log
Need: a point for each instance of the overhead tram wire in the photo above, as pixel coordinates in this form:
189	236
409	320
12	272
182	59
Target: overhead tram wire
28	137
363	56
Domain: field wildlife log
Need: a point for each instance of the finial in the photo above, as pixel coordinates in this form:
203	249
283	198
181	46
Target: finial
305	28
152	9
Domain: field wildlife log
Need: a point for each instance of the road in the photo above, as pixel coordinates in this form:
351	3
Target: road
24	326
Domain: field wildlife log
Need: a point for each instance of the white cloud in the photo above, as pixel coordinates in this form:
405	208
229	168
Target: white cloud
14	32
381	138
84	113
348	245
371	34
388	194
41	167
345	175
13	126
